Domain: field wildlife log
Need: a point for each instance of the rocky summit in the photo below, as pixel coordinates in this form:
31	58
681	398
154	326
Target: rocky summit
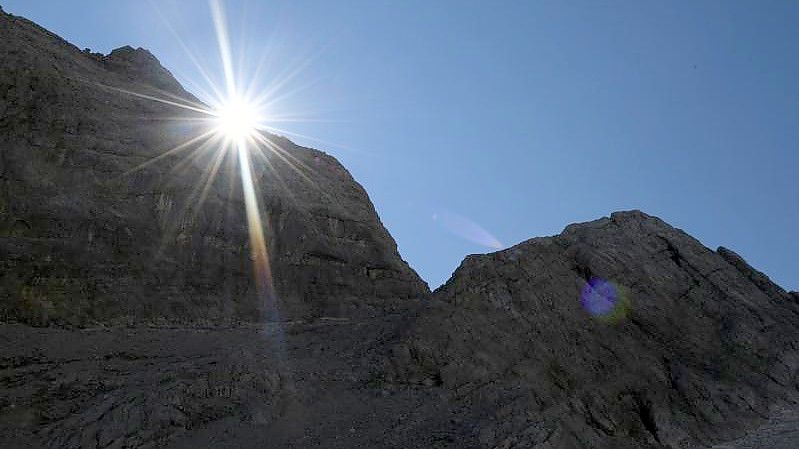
130	315
97	231
697	346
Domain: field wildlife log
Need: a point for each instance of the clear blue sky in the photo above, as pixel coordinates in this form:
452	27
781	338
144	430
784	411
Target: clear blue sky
518	117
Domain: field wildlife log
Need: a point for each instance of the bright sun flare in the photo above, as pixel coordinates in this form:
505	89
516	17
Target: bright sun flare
237	119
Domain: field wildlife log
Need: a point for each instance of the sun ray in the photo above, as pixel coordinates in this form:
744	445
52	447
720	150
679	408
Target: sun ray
239	113
290	160
156	99
258	248
268	103
285	132
223	42
208	178
179	98
177	149
191	159
283	79
203	73
256	75
262	155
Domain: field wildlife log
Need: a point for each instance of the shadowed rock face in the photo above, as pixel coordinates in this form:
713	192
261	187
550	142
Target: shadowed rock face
619	333
85	238
139	66
700	345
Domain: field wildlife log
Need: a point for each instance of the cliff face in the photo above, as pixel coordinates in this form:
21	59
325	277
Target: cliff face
621	332
88	236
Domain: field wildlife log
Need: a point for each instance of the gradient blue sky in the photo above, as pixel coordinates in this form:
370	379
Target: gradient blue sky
517	117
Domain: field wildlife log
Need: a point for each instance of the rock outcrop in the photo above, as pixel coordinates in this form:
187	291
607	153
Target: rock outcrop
621	332
92	230
129	314
139	67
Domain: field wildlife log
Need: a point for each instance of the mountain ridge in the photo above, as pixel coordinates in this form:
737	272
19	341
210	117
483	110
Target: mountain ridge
691	329
130	223
129	316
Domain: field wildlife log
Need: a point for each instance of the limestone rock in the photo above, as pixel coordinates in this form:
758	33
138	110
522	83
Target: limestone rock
619	333
139	66
759	279
239	387
697	347
93	231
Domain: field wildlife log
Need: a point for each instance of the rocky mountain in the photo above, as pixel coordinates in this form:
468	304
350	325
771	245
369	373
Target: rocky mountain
622	332
129	314
90	236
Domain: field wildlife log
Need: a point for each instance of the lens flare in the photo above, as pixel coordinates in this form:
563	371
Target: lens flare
467	229
605	300
235	122
236	133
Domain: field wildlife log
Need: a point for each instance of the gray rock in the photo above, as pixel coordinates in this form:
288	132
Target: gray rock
86	237
140	67
759	279
697	348
781	431
619	333
239	387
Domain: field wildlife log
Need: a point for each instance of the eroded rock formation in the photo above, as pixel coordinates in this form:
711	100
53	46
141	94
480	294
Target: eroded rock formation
700	346
89	236
129	316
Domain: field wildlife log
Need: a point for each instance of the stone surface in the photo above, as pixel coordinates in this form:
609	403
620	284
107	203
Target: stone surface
129	316
759	279
87	238
297	385
781	431
139	67
700	348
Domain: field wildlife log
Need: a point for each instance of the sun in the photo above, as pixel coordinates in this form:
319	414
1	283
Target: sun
238	126
237	119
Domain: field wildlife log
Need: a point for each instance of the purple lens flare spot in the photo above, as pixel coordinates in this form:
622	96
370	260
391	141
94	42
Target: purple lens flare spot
599	297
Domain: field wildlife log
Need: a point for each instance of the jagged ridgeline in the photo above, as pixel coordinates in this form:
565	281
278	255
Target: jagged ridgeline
623	332
86	237
692	346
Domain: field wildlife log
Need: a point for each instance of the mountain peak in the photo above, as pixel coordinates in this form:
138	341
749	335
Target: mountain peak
619	332
330	255
605	330
139	65
28	45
